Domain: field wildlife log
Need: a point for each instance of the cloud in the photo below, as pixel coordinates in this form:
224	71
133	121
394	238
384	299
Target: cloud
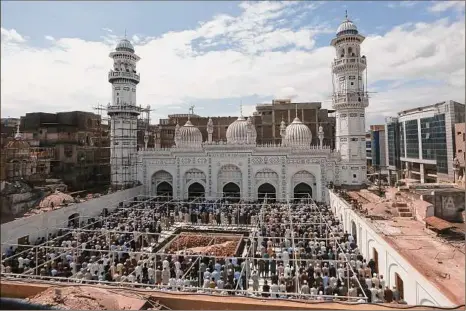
49	38
441	6
245	56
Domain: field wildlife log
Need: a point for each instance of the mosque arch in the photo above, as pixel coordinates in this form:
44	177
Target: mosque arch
73	220
303	183
354	230
302	190
159	178
196	190
231	190
164	189
191	177
227	174
266	190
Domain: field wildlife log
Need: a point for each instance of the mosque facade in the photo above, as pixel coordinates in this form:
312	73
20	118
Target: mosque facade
238	167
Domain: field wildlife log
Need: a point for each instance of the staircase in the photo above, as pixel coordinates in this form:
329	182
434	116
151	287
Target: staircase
403	209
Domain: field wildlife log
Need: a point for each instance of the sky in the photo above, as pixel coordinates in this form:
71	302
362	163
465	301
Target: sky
216	55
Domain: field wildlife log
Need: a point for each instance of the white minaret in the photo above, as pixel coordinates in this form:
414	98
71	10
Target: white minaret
123	114
350	100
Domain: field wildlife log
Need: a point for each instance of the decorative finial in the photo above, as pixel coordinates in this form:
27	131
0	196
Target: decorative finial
125	33
191	111
241	108
18	134
346	14
296	110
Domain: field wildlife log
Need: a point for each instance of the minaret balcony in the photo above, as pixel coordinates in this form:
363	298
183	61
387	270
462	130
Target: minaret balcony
113	75
341	63
350	100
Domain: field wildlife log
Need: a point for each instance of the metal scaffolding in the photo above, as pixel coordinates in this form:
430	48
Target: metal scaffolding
155	247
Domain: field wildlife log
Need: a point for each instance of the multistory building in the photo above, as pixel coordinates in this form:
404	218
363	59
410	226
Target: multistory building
266	119
421	142
460	145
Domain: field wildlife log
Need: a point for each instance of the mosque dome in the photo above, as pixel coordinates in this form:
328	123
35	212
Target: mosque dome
189	136
18	143
347	27
125	45
298	134
237	132
55	199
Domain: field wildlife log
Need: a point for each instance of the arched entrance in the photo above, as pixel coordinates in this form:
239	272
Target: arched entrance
164	189
266	190
354	231
73	220
302	190
231	190
196	190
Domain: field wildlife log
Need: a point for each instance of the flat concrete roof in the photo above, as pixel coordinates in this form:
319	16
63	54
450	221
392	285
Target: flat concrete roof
434	257
438	259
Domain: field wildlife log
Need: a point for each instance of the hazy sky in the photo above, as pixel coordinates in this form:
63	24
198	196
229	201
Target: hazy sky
216	54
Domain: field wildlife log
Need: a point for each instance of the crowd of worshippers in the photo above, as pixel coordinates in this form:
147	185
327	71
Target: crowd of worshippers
294	253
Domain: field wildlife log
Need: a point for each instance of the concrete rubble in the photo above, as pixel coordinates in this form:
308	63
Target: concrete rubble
91	298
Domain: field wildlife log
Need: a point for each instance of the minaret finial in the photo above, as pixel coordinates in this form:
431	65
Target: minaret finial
18	134
125	33
241	108
346	14
296	110
191	112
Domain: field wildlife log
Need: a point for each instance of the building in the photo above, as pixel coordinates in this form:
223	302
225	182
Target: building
368	150
165	131
268	117
7	129
20	161
421	141
267	120
80	142
240	165
375	147
460	144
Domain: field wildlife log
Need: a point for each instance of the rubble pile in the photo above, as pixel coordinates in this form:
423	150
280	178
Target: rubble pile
193	243
87	298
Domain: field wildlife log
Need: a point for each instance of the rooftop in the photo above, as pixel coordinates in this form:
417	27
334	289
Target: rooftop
435	257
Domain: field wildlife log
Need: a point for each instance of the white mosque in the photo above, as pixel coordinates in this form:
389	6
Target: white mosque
240	167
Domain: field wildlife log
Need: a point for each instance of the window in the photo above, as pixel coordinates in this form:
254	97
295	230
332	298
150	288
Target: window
412	139
433	136
361	115
354	176
353	115
354	139
352	77
352	83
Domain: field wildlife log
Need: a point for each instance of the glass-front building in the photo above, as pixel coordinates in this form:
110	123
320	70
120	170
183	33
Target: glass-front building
421	141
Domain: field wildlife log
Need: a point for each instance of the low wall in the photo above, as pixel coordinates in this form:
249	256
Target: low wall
41	224
192	301
417	289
